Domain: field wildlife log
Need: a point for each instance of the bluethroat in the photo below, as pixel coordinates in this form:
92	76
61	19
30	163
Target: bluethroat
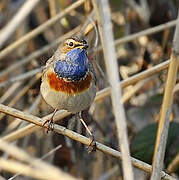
68	80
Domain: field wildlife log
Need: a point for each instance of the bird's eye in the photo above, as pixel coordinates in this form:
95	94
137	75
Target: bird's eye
71	44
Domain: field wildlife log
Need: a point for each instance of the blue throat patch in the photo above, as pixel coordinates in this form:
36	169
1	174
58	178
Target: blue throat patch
74	68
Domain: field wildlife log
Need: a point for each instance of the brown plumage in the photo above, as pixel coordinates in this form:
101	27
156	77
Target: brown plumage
69	87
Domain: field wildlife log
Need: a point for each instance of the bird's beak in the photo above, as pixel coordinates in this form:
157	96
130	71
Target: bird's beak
82	46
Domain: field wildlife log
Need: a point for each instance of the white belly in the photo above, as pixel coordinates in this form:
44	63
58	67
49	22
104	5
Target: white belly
72	103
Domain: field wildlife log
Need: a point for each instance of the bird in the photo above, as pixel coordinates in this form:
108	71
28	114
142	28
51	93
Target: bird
68	80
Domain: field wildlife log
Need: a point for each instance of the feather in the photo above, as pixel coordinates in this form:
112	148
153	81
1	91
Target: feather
74	67
69	87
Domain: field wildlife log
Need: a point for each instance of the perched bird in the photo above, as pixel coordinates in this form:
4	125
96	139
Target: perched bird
68	80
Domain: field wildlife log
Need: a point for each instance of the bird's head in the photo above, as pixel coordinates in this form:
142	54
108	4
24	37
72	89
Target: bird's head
72	66
73	43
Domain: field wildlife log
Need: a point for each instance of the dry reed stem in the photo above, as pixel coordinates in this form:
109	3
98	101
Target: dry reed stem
36	168
126	96
100	95
163	126
36	164
133	79
75	136
43	50
23	91
42	158
52	7
50	22
15	167
17	121
55	43
19	17
166	36
148	31
20	133
38	53
39	29
21	77
10	91
103	14
174	164
111	172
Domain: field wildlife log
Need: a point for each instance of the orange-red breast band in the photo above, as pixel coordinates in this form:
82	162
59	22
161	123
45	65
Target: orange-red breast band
59	84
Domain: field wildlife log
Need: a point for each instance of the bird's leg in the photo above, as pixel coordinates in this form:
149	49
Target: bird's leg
50	121
92	143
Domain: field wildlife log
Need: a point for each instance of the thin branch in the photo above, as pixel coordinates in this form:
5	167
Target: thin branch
39	29
75	136
103	14
22	92
15	22
21	77
148	31
38	53
52	7
15	166
42	158
162	133
36	168
126	96
133	79
43	50
55	43
174	164
31	127
10	91
100	95
109	173
17	121
142	10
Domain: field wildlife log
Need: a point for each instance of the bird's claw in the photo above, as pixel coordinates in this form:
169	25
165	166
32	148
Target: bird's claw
50	126
92	145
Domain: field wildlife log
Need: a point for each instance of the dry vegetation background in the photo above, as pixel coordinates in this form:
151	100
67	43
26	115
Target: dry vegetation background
143	32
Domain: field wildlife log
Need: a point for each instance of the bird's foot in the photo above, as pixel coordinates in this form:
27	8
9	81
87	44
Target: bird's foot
49	125
50	122
92	145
